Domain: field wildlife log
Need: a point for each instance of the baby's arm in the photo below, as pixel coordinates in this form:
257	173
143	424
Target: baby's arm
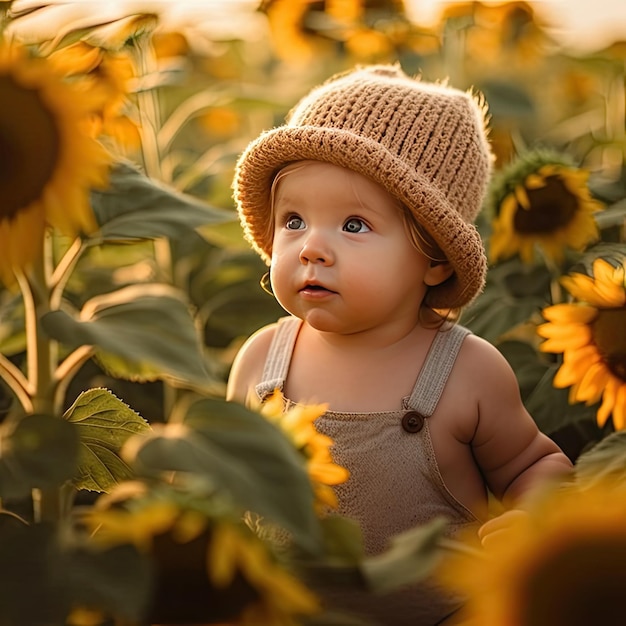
247	369
512	453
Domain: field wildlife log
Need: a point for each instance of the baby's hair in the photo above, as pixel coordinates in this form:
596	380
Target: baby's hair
421	239
268	235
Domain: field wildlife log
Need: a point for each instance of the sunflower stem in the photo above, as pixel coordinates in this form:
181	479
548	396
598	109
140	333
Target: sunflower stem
17	382
63	271
49	503
67	369
149	113
150	117
556	291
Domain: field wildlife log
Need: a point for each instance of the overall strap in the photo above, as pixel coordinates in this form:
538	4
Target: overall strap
279	356
436	369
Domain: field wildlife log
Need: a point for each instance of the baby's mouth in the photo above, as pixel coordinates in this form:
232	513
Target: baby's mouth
311	288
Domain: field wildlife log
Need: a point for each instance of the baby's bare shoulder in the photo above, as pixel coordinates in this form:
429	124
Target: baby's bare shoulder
247	368
483	362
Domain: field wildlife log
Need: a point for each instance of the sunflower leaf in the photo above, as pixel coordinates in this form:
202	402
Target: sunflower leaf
137	207
147	325
243	455
118	579
104	424
38	451
410	558
550	407
605	462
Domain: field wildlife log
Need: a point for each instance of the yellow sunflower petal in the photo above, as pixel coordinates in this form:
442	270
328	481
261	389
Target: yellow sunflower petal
593	383
221	555
605	289
619	408
582	357
566	337
608	402
535	181
288	595
522	197
564	377
572	313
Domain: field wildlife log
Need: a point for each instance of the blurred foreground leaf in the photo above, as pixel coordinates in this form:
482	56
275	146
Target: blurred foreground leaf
605	462
238	452
37	451
410	558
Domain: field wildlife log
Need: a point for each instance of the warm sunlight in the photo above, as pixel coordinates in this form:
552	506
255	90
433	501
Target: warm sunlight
575	23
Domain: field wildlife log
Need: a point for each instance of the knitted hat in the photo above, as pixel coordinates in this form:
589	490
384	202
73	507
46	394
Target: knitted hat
424	143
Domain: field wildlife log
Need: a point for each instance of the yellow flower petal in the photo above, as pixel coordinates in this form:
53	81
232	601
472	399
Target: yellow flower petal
522	197
593	383
569	313
222	555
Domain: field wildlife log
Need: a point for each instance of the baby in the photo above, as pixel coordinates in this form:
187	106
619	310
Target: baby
363	205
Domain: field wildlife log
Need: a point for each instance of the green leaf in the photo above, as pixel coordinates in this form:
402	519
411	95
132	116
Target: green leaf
117	580
343	539
244	455
149	326
604	463
508	98
37	451
12	332
104	424
550	406
137	207
525	362
410	558
31	587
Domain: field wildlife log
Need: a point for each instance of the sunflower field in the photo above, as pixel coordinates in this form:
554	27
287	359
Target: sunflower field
131	492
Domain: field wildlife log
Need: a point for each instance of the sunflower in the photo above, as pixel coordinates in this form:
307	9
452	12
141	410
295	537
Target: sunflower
493	33
109	74
295	27
49	163
236	549
234	562
297	422
541	200
591	334
563	563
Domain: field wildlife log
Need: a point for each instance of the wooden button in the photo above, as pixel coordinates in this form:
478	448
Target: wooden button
412	422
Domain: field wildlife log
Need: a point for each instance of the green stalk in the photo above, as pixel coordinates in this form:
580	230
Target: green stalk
150	117
41	363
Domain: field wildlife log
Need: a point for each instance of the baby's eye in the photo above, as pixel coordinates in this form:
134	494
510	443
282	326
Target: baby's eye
355	225
294	222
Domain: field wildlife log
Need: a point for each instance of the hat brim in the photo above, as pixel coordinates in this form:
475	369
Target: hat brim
272	150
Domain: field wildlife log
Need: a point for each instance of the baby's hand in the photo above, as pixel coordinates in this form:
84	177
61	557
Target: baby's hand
496	529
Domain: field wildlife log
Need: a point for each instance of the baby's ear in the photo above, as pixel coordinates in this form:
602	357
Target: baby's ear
437	272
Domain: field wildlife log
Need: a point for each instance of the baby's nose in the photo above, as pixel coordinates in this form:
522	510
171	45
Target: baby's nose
316	250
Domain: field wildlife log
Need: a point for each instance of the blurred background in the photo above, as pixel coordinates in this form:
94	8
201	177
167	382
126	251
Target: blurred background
190	83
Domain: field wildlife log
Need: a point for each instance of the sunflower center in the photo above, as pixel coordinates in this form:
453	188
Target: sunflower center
29	146
578	585
609	335
551	207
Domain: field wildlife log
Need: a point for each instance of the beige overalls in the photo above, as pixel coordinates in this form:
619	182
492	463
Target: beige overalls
394	482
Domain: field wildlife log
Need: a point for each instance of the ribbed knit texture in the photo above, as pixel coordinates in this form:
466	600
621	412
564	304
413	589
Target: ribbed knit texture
425	143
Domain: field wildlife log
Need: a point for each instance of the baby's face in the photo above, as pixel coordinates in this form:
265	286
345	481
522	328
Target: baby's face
341	257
